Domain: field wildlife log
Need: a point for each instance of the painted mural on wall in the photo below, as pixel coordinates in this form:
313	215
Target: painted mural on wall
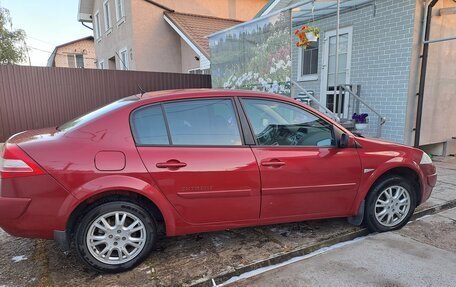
256	56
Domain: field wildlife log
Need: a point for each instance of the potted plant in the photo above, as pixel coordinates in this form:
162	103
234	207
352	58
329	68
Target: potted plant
360	121
312	33
306	35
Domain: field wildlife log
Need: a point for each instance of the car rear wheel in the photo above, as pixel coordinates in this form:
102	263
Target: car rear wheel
390	204
115	236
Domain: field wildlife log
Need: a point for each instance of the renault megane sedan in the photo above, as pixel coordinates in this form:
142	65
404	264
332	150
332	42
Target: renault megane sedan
168	163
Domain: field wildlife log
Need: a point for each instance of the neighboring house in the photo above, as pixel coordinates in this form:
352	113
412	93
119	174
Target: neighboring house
381	47
160	35
75	54
193	30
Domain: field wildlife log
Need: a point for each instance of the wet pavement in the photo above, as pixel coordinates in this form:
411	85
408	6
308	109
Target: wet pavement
198	258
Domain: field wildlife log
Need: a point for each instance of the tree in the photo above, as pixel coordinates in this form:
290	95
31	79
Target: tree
12	48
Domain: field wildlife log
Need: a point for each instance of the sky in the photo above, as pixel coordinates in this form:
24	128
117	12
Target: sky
47	23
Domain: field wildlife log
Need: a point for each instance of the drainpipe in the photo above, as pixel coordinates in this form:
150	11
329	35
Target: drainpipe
337	95
87	26
424	56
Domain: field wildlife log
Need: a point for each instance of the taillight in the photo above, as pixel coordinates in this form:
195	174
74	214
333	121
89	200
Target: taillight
14	163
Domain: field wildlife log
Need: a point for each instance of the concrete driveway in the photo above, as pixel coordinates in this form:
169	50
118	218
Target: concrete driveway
421	254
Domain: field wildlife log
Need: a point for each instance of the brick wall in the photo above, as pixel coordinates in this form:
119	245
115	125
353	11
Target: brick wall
381	57
85	47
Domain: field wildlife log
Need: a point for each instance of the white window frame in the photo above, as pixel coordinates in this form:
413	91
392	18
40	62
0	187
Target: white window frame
107	16
97	27
101	65
325	64
124	66
75	61
310	77
120	13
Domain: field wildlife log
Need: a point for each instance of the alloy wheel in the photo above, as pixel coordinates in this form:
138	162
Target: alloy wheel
116	237
392	205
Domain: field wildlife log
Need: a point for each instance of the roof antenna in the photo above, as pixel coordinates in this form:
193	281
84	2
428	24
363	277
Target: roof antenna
141	90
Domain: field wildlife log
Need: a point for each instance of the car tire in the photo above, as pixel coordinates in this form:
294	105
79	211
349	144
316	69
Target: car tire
125	229
390	204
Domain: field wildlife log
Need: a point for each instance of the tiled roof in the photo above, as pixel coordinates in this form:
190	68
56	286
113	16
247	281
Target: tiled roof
197	27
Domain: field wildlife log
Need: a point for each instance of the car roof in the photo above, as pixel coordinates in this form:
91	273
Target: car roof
168	95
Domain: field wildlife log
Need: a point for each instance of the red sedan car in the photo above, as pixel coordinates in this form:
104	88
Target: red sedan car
177	162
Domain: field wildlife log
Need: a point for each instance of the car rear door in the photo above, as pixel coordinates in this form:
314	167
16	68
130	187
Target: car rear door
195	154
303	173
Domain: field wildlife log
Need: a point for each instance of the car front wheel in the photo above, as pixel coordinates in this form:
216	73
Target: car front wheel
390	204
115	236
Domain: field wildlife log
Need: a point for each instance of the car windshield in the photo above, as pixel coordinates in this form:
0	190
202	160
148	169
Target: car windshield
96	113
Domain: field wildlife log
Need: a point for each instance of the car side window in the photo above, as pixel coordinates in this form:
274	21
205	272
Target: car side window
276	123
148	125
203	122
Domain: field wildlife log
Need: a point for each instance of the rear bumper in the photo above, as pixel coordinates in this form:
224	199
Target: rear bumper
13	218
12	208
32	206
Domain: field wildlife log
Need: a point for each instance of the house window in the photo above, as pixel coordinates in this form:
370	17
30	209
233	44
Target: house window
79	61
308	63
120	12
101	65
97	26
75	61
107	15
123	55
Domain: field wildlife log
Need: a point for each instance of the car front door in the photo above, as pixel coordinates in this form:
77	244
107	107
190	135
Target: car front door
303	173
194	152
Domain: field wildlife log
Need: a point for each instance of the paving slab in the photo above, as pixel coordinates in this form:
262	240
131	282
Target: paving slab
438	231
446	195
421	254
451	213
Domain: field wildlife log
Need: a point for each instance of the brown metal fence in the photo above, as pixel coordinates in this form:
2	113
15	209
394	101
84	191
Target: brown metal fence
37	97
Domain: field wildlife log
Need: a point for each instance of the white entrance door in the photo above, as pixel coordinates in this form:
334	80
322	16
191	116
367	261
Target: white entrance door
328	69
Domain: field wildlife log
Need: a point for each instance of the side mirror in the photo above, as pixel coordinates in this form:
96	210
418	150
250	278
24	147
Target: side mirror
343	141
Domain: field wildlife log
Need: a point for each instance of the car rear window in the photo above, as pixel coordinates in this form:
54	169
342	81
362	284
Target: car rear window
148	126
95	114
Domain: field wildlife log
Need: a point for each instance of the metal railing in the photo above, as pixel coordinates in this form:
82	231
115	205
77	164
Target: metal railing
354	106
330	113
